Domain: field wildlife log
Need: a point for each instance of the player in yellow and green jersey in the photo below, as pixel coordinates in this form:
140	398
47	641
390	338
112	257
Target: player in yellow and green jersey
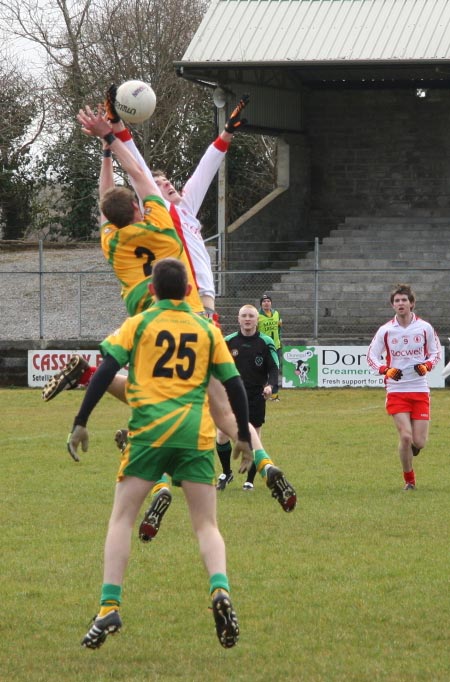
172	353
134	239
133	249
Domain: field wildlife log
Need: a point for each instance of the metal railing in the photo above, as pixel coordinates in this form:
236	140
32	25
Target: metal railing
70	294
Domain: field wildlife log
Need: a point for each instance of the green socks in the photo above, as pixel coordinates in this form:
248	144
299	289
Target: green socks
218	581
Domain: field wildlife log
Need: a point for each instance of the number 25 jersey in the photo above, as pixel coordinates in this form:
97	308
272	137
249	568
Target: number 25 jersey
171	354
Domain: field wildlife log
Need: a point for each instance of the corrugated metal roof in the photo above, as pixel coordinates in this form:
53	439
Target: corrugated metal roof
248	31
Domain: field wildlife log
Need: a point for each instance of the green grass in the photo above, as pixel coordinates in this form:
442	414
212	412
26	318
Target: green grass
351	587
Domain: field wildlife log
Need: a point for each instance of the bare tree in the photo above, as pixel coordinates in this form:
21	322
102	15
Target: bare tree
19	128
89	45
57	27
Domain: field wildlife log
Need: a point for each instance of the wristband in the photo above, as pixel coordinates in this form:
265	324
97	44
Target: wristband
123	135
109	138
107	153
221	145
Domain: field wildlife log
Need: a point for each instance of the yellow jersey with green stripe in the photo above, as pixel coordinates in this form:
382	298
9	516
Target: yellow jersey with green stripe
171	354
134	249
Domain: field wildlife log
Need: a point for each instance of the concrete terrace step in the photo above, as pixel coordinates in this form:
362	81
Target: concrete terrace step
368	285
383	237
359	263
395	220
423	256
422	253
374	242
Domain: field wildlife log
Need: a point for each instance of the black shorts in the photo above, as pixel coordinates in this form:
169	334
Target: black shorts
256	409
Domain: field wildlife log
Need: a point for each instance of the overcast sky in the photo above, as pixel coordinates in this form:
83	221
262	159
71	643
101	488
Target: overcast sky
30	55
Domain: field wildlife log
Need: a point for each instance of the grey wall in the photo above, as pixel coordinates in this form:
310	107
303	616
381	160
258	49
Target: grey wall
362	152
378	152
286	218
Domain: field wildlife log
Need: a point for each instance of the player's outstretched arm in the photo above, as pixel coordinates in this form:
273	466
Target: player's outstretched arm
106	180
239	404
95	124
101	380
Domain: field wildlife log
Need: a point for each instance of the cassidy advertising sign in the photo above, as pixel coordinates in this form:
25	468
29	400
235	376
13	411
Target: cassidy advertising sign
336	367
43	364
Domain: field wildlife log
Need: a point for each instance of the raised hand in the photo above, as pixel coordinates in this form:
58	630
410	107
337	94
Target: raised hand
235	122
93	123
110	104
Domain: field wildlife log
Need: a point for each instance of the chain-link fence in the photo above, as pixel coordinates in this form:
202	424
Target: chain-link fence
67	293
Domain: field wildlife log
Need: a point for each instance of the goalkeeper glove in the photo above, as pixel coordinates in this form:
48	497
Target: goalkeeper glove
79	434
235	122
391	372
422	368
110	105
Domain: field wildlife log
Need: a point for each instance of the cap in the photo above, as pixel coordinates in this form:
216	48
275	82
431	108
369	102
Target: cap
265	297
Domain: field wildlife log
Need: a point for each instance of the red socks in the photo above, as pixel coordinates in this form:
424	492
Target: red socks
409	477
86	376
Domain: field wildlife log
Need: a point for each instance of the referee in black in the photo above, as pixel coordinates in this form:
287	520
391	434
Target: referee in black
257	361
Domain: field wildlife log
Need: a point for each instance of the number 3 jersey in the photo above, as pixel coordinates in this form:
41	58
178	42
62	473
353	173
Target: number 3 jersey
171	354
134	249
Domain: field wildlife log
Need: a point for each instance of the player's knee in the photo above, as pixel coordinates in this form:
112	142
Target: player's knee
420	441
406	439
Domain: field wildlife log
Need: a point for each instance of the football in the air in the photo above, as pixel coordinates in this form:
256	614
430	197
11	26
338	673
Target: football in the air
135	101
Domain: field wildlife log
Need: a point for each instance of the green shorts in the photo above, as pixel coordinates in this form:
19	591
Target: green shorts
143	461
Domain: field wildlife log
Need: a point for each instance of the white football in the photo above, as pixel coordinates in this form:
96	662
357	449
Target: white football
135	101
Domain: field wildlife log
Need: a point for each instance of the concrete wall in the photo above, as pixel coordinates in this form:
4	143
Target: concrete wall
362	152
377	152
284	219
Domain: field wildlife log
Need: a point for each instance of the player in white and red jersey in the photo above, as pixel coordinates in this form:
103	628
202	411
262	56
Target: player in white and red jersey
410	348
184	206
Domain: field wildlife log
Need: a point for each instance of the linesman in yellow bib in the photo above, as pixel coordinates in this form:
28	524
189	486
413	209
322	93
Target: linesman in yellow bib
269	323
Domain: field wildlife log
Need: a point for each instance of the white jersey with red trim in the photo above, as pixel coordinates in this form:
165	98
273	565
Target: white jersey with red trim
405	347
184	214
192	197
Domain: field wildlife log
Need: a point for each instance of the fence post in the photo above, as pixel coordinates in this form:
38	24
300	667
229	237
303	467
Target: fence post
79	305
41	289
316	288
222	208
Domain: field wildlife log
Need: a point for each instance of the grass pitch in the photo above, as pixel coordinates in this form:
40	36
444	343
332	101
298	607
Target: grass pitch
350	587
